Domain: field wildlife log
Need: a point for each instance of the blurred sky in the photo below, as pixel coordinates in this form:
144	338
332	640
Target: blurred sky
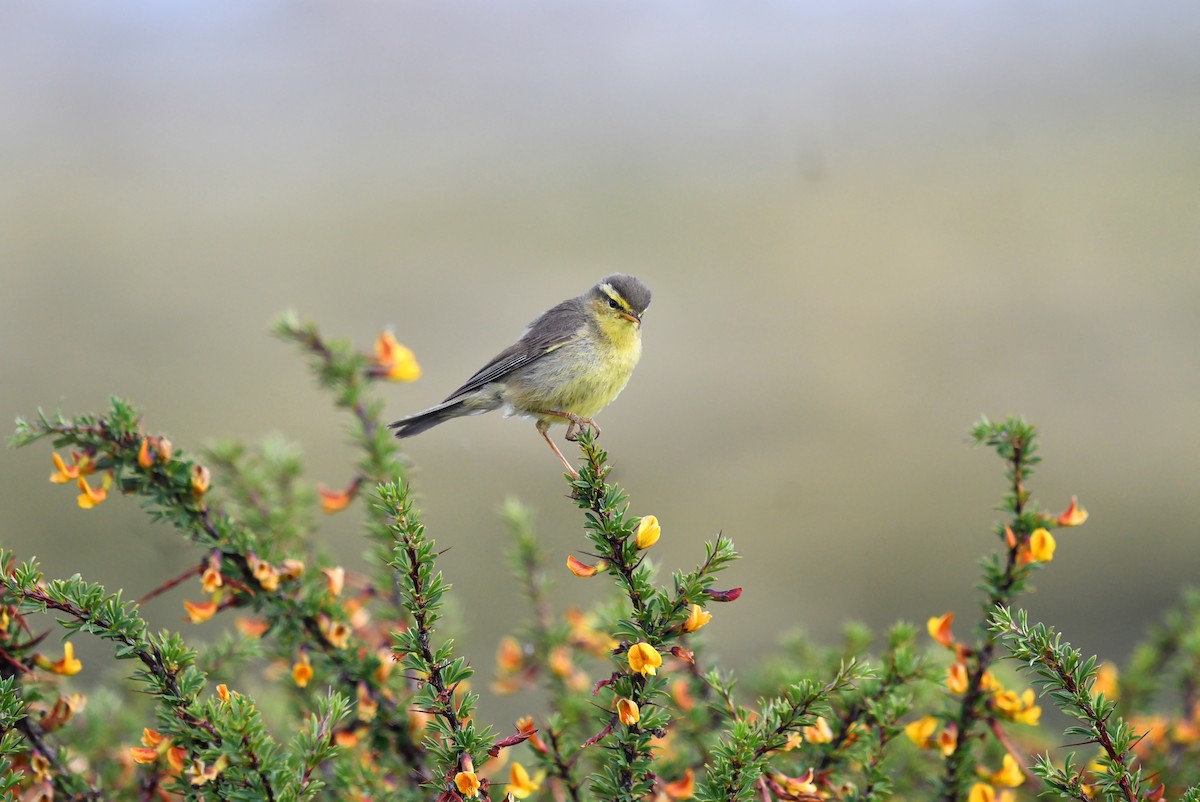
865	224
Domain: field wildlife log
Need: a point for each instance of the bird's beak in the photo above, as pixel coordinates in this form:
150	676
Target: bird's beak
631	318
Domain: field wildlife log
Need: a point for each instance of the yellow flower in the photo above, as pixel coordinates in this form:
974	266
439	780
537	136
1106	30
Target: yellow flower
90	497
520	784
697	618
397	362
818	733
467	783
199	612
336	580
1041	546
1020	709
70	473
68	666
1008	775
644	659
939	629
201	479
302	671
982	792
199	775
628	712
921	731
1073	515
648	532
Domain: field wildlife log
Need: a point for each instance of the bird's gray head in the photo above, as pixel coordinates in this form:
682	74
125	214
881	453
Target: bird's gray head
624	293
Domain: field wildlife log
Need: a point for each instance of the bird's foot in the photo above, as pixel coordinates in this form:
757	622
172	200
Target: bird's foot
577	425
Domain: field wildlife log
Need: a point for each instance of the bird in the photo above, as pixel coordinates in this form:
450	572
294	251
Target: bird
568	365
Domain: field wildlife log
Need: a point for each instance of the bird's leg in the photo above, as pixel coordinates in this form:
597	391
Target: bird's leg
541	427
575	423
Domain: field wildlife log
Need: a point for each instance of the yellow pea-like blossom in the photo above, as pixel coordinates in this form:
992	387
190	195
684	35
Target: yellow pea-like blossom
644	659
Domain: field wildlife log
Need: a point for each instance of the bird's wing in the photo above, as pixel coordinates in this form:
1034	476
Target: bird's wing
554	329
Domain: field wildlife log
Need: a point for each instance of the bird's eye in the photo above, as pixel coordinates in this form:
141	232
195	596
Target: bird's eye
613	303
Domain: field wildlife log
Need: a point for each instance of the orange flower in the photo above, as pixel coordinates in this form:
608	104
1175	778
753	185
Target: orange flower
1107	681
175	758
644	659
939	629
683	788
520	784
582	569
368	705
956	678
68	666
69	473
144	458
921	731
682	695
819	732
336	500
336	633
560	661
251	627
264	572
508	655
143	754
1073	515
201	479
302	671
947	740
398	363
199	612
90	496
697	618
628	712
223	692
211	579
467	783
648	532
346	739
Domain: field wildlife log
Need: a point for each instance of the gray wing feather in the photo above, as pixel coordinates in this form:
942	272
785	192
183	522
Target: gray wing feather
557	326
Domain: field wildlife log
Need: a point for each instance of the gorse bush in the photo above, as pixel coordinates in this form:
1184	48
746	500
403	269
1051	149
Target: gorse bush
333	685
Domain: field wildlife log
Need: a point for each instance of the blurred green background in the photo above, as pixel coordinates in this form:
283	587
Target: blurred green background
864	224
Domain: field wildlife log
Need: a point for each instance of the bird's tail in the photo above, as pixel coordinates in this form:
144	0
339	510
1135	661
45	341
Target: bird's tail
415	424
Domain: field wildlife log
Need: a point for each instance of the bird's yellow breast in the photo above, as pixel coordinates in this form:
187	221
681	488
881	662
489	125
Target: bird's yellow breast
583	375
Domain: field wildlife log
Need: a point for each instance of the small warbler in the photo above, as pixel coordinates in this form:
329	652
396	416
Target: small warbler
570	364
